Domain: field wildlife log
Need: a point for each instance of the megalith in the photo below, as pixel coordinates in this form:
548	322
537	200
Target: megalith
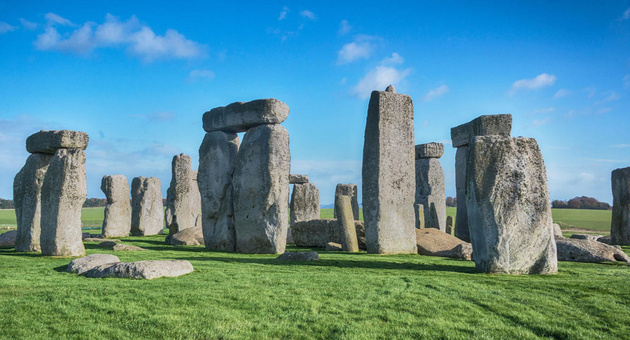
349	190
389	174
63	194
298	179
348	230
241	116
217	157
117	222
261	190
620	223
430	187
49	141
487	125
182	200
147	214
304	204
509	211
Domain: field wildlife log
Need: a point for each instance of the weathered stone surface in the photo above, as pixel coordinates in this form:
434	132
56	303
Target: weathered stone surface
332	246
147	214
183	203
217	157
99	239
335	234
304	204
605	239
509	211
49	141
350	190
429	150
419	210
431	192
346	223
585	237
433	242
188	237
261	190
241	116
298	256
106	244
462	251
127	247
557	232
290	237
83	264
314	233
8	239
389	174
576	250
117	222
63	194
620	223
487	125
461	216
449	225
142	269
27	195
298	179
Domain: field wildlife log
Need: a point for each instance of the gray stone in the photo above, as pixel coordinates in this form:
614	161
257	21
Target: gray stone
63	194
261	190
147	214
431	192
335	234
127	247
188	237
429	150
620	223
332	246
106	244
557	232
350	190
49	141
117	221
304	204
462	251
390	88
461	216
346	223
585	237
315	233
83	264
27	198
147	270
605	239
8	239
217	157
298	256
99	239
241	116
298	179
433	242
509	211
449	225
183	203
389	174
419	210
487	125
576	250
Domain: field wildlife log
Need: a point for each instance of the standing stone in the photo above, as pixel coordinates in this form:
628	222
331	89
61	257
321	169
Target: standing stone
430	187
509	211
117	222
449	225
27	188
346	223
487	125
147	214
241	116
217	156
620	224
304	203
419	210
261	190
349	190
63	194
389	174
182	201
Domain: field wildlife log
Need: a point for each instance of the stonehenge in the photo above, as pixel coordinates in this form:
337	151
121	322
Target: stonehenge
389	174
430	187
117	221
183	201
147	215
620	224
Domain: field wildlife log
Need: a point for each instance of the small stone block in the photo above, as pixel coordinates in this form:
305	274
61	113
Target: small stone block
49	141
298	179
429	150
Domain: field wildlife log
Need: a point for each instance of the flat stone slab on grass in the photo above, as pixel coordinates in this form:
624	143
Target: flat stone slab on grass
299	256
585	237
83	264
98	239
49	141
332	246
240	116
147	270
576	250
119	246
432	242
188	237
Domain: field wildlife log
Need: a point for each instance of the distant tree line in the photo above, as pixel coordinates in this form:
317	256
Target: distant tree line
580	203
451	201
6	204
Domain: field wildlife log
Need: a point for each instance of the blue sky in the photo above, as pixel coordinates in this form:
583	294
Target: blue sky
138	76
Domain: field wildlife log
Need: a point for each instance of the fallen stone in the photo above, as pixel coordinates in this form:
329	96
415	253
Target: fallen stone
433	242
117	221
97	239
50	141
8	239
241	116
605	239
620	223
107	244
346	223
581	250
462	251
147	214
188	237
304	203
347	190
332	246
298	179
429	150
183	202
127	247
557	232
298	256
83	264
585	237
142	269
487	125
431	192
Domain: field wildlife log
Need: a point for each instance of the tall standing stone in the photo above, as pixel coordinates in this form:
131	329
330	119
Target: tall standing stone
261	190
509	211
117	222
487	125
349	190
27	188
620	223
389	174
430	187
147	214
63	194
449	225
304	204
182	200
217	157
348	233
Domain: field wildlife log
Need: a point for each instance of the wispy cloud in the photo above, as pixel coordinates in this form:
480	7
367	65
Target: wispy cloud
544	110
5	28
361	48
344	27
379	78
308	14
283	13
201	74
540	81
561	93
395	59
54	19
28	25
541	122
436	92
625	15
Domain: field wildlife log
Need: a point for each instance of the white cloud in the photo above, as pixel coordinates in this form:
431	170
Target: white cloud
4	27
561	93
283	13
613	96
201	74
53	19
393	60
308	14
436	92
139	40
541	80
27	24
626	15
378	79
344	27
361	48
540	122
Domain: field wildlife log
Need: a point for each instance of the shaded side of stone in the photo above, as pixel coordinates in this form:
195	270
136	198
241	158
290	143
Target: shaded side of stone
431	192
620	223
350	190
461	216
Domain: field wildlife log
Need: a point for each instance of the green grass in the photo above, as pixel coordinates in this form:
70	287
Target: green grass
598	220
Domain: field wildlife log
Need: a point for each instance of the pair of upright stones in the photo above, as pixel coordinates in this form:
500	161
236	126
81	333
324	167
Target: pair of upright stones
49	192
503	205
245	186
304	205
430	202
